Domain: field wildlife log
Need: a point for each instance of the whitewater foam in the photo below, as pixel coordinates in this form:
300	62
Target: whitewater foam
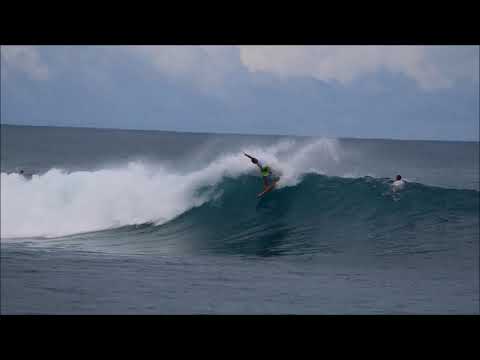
59	203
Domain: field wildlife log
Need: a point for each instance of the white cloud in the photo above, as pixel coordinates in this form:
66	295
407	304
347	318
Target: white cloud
26	59
206	66
424	64
211	68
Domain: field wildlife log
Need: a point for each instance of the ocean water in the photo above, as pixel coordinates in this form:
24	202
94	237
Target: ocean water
150	222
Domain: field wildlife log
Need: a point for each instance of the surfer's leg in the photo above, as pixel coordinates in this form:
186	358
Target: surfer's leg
265	182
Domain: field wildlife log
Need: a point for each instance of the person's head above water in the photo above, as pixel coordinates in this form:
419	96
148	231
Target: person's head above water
398	177
21	171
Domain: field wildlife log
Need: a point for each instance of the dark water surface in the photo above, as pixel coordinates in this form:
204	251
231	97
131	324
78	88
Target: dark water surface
148	222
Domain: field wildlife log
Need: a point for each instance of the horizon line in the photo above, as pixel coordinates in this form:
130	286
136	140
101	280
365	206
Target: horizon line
235	133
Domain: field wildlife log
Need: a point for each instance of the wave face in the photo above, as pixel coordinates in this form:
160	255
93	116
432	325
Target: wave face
327	215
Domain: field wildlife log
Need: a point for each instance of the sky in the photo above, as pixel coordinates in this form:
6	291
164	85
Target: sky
396	92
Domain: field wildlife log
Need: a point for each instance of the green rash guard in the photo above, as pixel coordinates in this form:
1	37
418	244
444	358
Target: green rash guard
267	172
265	169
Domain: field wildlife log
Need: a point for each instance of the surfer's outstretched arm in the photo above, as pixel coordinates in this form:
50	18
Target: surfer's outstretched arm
254	160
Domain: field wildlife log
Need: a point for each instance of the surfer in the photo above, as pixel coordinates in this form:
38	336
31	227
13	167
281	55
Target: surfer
398	184
269	177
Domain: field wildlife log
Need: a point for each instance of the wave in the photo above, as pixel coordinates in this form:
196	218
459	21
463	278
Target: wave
322	213
215	207
59	203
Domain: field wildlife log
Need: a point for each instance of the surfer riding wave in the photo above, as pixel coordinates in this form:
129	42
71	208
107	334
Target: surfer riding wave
269	176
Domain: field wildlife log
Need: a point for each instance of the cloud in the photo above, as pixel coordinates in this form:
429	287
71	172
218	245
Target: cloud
214	69
205	66
25	59
432	67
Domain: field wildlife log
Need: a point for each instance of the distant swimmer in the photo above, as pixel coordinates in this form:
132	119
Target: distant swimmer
270	178
398	184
